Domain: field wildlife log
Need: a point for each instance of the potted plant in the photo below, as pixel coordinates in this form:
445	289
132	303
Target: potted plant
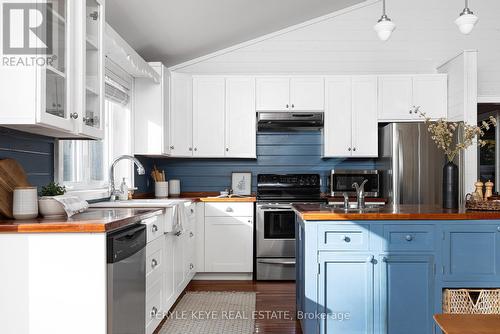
446	137
48	206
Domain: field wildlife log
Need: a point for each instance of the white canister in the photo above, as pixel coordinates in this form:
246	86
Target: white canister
175	188
161	189
25	203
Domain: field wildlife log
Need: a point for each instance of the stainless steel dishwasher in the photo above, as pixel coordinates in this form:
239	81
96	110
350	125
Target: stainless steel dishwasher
126	260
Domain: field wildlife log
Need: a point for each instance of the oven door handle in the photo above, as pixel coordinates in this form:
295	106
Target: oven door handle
283	262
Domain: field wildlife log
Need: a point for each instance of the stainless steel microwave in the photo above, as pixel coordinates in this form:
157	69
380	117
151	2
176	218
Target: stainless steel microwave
341	182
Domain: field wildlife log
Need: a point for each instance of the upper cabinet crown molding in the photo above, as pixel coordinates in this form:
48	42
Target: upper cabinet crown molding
404	97
290	93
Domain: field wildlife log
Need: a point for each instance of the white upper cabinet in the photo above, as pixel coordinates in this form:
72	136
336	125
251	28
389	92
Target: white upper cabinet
273	94
351	128
403	97
338	120
63	97
181	115
307	94
241	130
364	117
209	97
151	114
430	95
290	94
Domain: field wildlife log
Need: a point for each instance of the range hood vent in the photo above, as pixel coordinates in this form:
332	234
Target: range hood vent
289	120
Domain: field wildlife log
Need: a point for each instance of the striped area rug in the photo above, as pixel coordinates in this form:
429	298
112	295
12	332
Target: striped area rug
212	313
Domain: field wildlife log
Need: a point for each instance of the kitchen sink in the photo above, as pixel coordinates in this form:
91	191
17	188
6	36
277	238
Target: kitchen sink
353	208
140	203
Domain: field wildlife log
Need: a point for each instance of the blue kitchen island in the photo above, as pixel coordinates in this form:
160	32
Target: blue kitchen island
384	270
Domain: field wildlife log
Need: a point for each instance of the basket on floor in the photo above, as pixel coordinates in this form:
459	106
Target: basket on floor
471	301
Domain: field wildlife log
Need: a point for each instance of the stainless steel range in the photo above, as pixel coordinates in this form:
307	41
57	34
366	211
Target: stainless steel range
275	228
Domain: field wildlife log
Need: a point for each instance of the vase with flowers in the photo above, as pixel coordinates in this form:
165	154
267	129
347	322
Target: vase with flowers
452	138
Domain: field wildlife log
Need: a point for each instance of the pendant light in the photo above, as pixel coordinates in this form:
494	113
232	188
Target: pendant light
467	20
384	26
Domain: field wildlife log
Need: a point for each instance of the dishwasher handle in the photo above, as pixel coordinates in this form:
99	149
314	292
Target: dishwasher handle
125	243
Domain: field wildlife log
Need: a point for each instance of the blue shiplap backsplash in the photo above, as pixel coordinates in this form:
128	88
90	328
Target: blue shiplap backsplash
34	153
277	152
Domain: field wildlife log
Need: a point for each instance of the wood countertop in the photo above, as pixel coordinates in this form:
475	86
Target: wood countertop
202	197
391	212
468	323
90	221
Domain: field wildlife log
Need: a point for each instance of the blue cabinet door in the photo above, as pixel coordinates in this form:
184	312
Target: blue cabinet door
471	252
346	285
406	294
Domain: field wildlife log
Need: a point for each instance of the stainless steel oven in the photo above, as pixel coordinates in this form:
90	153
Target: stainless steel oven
275	234
341	182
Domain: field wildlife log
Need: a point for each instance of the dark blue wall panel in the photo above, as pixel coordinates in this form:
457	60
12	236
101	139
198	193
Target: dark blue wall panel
277	152
34	153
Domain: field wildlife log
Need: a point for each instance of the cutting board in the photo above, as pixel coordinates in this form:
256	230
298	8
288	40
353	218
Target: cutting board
12	175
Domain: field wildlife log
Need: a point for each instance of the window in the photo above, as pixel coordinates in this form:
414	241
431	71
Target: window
84	164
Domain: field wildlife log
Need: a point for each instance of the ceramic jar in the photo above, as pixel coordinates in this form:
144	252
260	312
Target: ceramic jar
25	203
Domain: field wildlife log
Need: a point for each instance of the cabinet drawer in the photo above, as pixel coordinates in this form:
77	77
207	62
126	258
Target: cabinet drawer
230	209
155	227
154	309
154	261
344	237
408	237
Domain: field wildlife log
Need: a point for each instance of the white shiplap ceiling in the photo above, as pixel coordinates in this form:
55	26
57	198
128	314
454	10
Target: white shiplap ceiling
345	43
173	31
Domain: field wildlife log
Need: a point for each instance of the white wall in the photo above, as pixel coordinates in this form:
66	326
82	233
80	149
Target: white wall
345	43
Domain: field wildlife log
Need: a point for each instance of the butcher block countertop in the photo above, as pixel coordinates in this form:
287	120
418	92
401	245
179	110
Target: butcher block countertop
90	221
202	197
391	212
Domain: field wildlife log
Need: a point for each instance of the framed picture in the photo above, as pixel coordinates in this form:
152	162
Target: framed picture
242	183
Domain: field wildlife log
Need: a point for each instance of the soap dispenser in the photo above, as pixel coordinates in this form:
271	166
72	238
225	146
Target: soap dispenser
123	191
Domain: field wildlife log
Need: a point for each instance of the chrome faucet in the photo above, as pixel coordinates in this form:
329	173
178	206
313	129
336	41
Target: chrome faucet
360	193
346	201
140	170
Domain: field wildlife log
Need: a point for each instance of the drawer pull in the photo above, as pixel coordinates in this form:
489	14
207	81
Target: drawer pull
191	266
191	234
178	233
498	228
229	209
154	228
384	259
192	210
154	263
346	238
371	259
409	237
154	312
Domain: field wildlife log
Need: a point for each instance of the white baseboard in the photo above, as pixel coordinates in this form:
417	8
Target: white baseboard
223	276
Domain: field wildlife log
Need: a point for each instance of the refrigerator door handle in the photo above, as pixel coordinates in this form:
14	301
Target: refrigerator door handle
398	195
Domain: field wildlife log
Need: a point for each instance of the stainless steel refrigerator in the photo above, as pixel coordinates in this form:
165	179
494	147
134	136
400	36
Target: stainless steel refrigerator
410	163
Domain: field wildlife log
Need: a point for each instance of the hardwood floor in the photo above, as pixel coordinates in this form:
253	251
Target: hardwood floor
275	303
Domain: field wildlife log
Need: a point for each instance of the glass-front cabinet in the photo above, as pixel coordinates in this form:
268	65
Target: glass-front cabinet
94	66
53	83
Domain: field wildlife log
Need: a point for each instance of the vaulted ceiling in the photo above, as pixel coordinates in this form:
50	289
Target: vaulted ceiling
173	31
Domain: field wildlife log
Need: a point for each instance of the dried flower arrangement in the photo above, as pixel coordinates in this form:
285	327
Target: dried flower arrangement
443	134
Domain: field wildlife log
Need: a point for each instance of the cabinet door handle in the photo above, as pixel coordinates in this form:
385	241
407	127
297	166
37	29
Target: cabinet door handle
154	228
498	228
227	149
371	259
349	149
191	266
293	105
195	149
229	209
154	263
191	234
416	109
384	259
73	115
94	15
178	234
154	311
409	237
172	147
287	106
354	149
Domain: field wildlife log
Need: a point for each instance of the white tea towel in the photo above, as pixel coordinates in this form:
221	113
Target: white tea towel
180	217
72	204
